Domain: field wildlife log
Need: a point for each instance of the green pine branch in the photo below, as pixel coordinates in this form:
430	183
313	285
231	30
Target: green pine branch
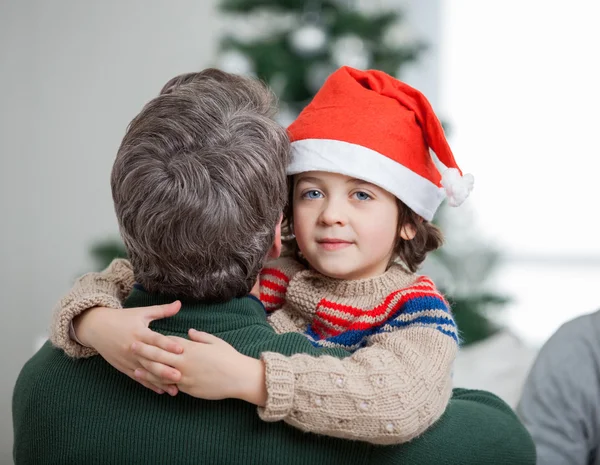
106	251
248	7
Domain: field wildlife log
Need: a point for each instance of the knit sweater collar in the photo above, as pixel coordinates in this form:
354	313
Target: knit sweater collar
396	277
308	288
204	316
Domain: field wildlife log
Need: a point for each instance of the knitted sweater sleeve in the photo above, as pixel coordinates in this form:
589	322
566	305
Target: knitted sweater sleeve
386	393
110	287
107	288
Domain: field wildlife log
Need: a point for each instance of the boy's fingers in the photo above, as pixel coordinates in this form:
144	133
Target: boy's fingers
200	336
155	354
124	366
182	341
148	379
150	386
157	312
146	384
160	340
145	378
162	373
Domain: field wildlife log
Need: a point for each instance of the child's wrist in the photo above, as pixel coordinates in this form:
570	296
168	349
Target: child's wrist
80	324
73	335
253	387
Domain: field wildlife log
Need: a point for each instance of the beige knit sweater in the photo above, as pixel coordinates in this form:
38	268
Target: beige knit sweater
393	387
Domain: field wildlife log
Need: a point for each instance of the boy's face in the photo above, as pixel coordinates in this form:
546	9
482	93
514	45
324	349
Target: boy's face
346	228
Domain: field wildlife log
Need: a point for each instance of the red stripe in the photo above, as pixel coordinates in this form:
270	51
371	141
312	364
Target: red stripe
345	320
271	299
326	328
424	284
275	272
347	325
428	282
325	324
273	286
421	279
327	331
321	331
362	325
335	320
379	309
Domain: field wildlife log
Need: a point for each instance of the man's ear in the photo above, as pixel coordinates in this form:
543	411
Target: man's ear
275	249
408	232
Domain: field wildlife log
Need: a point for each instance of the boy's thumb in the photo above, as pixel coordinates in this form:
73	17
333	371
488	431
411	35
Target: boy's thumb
163	311
201	336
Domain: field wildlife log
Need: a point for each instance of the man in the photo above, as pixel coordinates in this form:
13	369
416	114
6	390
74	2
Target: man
560	404
199	186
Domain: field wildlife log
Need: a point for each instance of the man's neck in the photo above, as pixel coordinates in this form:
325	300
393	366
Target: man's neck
212	317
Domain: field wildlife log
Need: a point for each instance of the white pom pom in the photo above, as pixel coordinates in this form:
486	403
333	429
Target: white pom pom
457	187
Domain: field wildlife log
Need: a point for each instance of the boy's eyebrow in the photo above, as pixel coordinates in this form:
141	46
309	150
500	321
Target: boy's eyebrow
316	180
307	179
359	181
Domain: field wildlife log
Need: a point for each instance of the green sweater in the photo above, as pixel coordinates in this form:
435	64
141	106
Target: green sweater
83	411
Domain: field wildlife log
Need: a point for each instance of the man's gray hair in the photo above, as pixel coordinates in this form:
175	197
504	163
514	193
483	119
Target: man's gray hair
199	185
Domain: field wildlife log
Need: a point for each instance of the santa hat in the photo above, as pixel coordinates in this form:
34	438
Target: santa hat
371	126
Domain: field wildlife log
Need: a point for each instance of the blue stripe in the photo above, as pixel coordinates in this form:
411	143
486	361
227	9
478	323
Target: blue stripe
350	339
310	332
359	336
349	347
427	320
347	338
448	333
424	319
419	304
412	306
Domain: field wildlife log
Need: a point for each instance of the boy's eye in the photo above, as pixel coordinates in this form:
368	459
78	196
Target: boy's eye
362	195
312	194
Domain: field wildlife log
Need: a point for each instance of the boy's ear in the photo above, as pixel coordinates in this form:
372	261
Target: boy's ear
408	232
275	249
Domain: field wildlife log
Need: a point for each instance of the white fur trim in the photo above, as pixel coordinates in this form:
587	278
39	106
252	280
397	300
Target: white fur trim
420	194
457	187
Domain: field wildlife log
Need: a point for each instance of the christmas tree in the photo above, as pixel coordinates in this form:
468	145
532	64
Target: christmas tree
293	45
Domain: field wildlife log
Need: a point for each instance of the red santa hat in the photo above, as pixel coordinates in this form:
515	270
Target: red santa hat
371	126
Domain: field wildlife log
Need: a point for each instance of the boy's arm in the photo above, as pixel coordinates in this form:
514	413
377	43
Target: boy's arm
274	280
105	289
387	393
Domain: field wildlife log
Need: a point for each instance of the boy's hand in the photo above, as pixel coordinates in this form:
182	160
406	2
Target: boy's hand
112	332
210	369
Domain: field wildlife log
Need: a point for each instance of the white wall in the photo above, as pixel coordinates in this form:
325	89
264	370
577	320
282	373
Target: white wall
520	85
520	88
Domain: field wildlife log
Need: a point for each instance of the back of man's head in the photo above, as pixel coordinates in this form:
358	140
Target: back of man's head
199	186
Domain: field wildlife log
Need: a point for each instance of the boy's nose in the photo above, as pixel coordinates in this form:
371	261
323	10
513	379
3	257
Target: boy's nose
332	214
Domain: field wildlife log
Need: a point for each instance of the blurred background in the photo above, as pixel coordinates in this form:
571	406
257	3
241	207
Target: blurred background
514	82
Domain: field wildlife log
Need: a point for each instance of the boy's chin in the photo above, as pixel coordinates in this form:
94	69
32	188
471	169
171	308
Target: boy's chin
338	270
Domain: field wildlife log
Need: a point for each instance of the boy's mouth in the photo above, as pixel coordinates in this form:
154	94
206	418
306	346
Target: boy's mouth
333	244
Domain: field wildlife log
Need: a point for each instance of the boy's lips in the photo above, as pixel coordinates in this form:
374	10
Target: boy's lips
333	244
